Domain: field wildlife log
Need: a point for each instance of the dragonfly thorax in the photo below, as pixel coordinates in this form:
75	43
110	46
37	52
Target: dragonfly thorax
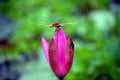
57	25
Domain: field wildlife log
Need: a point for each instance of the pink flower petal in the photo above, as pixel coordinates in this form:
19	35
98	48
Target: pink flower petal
53	58
60	41
45	46
69	53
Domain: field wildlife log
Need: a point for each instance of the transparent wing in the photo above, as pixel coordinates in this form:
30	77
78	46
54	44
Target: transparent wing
50	24
62	24
44	23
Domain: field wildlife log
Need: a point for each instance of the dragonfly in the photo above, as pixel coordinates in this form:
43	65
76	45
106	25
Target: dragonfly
56	24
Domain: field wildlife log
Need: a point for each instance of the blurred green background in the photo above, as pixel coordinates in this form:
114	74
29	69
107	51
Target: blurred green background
96	36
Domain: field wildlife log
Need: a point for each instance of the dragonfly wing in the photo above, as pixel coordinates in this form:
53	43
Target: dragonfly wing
67	23
44	24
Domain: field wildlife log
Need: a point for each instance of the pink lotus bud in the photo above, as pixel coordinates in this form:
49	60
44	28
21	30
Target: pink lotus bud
59	53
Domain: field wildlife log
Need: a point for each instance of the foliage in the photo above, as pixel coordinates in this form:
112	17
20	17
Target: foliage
95	32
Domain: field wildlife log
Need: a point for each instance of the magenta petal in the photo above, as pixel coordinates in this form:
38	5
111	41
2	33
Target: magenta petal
45	46
69	53
53	58
60	41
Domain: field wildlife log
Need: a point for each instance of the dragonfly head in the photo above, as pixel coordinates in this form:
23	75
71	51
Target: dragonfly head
57	25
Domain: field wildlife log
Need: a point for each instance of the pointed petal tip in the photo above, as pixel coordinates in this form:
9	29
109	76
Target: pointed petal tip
70	40
42	38
61	32
44	41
